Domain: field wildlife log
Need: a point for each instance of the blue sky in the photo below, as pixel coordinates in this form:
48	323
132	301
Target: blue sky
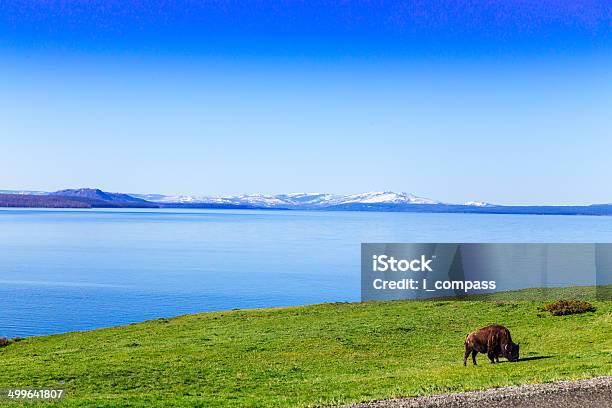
506	102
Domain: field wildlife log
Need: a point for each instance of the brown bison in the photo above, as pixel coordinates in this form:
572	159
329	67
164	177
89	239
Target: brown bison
493	340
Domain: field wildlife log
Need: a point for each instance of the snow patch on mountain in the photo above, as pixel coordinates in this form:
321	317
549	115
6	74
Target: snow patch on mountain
477	203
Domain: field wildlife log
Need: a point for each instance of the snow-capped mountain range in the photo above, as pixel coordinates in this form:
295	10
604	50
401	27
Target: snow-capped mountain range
301	200
374	201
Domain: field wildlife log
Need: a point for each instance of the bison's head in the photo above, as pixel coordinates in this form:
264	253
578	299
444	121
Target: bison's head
512	352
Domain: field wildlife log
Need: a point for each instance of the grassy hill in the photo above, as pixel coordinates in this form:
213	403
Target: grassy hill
312	355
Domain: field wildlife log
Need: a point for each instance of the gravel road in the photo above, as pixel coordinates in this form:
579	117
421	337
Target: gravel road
592	393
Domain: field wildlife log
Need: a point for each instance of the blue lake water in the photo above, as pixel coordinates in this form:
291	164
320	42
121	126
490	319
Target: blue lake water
67	270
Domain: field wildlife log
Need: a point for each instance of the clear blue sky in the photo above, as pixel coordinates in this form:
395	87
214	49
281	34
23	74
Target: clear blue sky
507	102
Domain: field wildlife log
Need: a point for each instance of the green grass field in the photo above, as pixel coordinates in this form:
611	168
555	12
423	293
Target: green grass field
312	355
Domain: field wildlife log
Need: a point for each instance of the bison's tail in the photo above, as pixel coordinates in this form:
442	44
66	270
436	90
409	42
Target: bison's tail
467	341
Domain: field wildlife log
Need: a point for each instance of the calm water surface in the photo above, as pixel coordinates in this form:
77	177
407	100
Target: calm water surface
66	270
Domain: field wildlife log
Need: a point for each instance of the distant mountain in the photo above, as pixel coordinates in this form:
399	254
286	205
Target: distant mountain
385	201
22	192
97	195
74	198
294	200
387	197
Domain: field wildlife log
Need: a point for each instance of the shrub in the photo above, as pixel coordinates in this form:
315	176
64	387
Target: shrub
568	307
5	342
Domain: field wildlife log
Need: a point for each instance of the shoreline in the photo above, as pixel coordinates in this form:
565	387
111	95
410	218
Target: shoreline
581	292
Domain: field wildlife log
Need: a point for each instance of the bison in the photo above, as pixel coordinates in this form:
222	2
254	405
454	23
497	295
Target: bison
493	340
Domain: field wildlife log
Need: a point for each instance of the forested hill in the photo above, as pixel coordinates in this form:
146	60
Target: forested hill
80	198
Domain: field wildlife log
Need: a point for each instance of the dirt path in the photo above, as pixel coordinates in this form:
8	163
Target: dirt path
592	393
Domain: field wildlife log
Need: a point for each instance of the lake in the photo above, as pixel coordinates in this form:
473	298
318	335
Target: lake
67	270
